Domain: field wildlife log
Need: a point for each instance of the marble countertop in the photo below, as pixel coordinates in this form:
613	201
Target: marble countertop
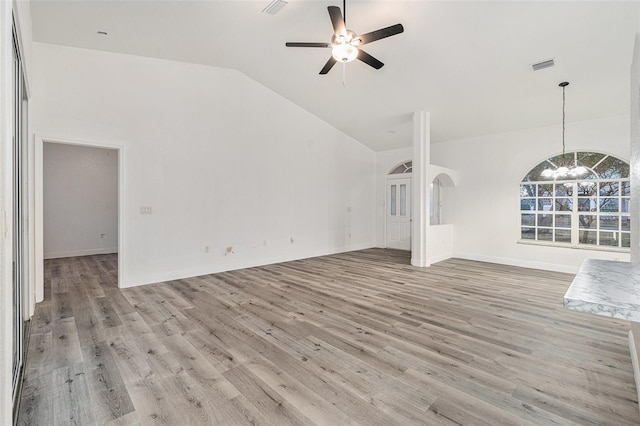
607	288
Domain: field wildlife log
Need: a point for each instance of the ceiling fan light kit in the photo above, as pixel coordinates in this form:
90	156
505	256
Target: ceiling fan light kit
345	44
344	52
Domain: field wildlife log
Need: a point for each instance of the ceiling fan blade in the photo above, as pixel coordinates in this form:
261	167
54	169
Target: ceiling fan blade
304	44
369	60
337	21
382	33
327	67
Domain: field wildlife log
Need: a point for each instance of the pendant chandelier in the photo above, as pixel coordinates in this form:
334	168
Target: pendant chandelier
567	168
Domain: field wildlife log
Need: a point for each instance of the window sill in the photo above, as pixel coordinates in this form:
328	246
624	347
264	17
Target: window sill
576	247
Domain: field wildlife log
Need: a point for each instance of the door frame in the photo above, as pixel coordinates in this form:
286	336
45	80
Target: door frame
387	180
39	210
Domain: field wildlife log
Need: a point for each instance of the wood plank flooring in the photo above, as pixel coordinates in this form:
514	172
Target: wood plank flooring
354	338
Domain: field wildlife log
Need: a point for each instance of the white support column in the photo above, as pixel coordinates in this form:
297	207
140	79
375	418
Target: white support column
634	332
635	153
420	185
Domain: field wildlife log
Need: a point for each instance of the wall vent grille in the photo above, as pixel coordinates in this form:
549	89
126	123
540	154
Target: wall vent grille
542	65
274	7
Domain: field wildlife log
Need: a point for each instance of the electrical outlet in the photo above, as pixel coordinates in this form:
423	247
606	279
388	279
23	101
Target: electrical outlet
228	251
291	239
146	210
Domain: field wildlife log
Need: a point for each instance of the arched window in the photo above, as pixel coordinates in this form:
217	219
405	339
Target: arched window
406	167
590	210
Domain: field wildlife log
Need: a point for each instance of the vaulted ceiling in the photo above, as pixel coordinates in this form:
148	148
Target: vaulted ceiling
467	63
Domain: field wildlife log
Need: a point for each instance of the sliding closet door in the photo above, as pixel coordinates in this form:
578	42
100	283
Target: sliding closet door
19	142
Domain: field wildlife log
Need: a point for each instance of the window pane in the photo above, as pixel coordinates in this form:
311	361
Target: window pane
612	168
609	222
564	204
587	237
558	160
545	190
626	223
563	221
609	239
587	204
586	189
564	189
545	220
563	236
545	234
402	168
403	200
626	187
528	233
527	190
624	205
545	204
608	189
528	220
535	174
609	205
625	239
528	204
587	221
393	200
589	159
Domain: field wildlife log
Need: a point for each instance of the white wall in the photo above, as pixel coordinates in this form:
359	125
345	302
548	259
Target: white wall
222	161
80	200
485	204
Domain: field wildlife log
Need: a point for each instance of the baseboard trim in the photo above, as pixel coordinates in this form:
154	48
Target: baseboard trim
420	263
224	267
75	253
519	262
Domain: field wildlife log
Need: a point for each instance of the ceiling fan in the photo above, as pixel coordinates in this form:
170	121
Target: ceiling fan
345	44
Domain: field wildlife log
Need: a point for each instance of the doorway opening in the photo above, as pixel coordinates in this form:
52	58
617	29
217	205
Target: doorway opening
398	219
80	187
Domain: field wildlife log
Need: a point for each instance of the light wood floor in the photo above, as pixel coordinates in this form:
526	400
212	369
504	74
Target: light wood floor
354	338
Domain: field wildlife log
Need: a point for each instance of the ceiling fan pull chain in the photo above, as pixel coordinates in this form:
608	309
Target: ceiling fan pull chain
344	74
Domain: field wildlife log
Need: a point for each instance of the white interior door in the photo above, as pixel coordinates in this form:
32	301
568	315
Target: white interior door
398	213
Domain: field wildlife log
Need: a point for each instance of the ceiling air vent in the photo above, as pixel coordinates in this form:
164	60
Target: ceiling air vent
542	65
274	7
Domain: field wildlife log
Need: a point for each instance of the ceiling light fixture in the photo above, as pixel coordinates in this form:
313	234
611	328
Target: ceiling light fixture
345	44
564	169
